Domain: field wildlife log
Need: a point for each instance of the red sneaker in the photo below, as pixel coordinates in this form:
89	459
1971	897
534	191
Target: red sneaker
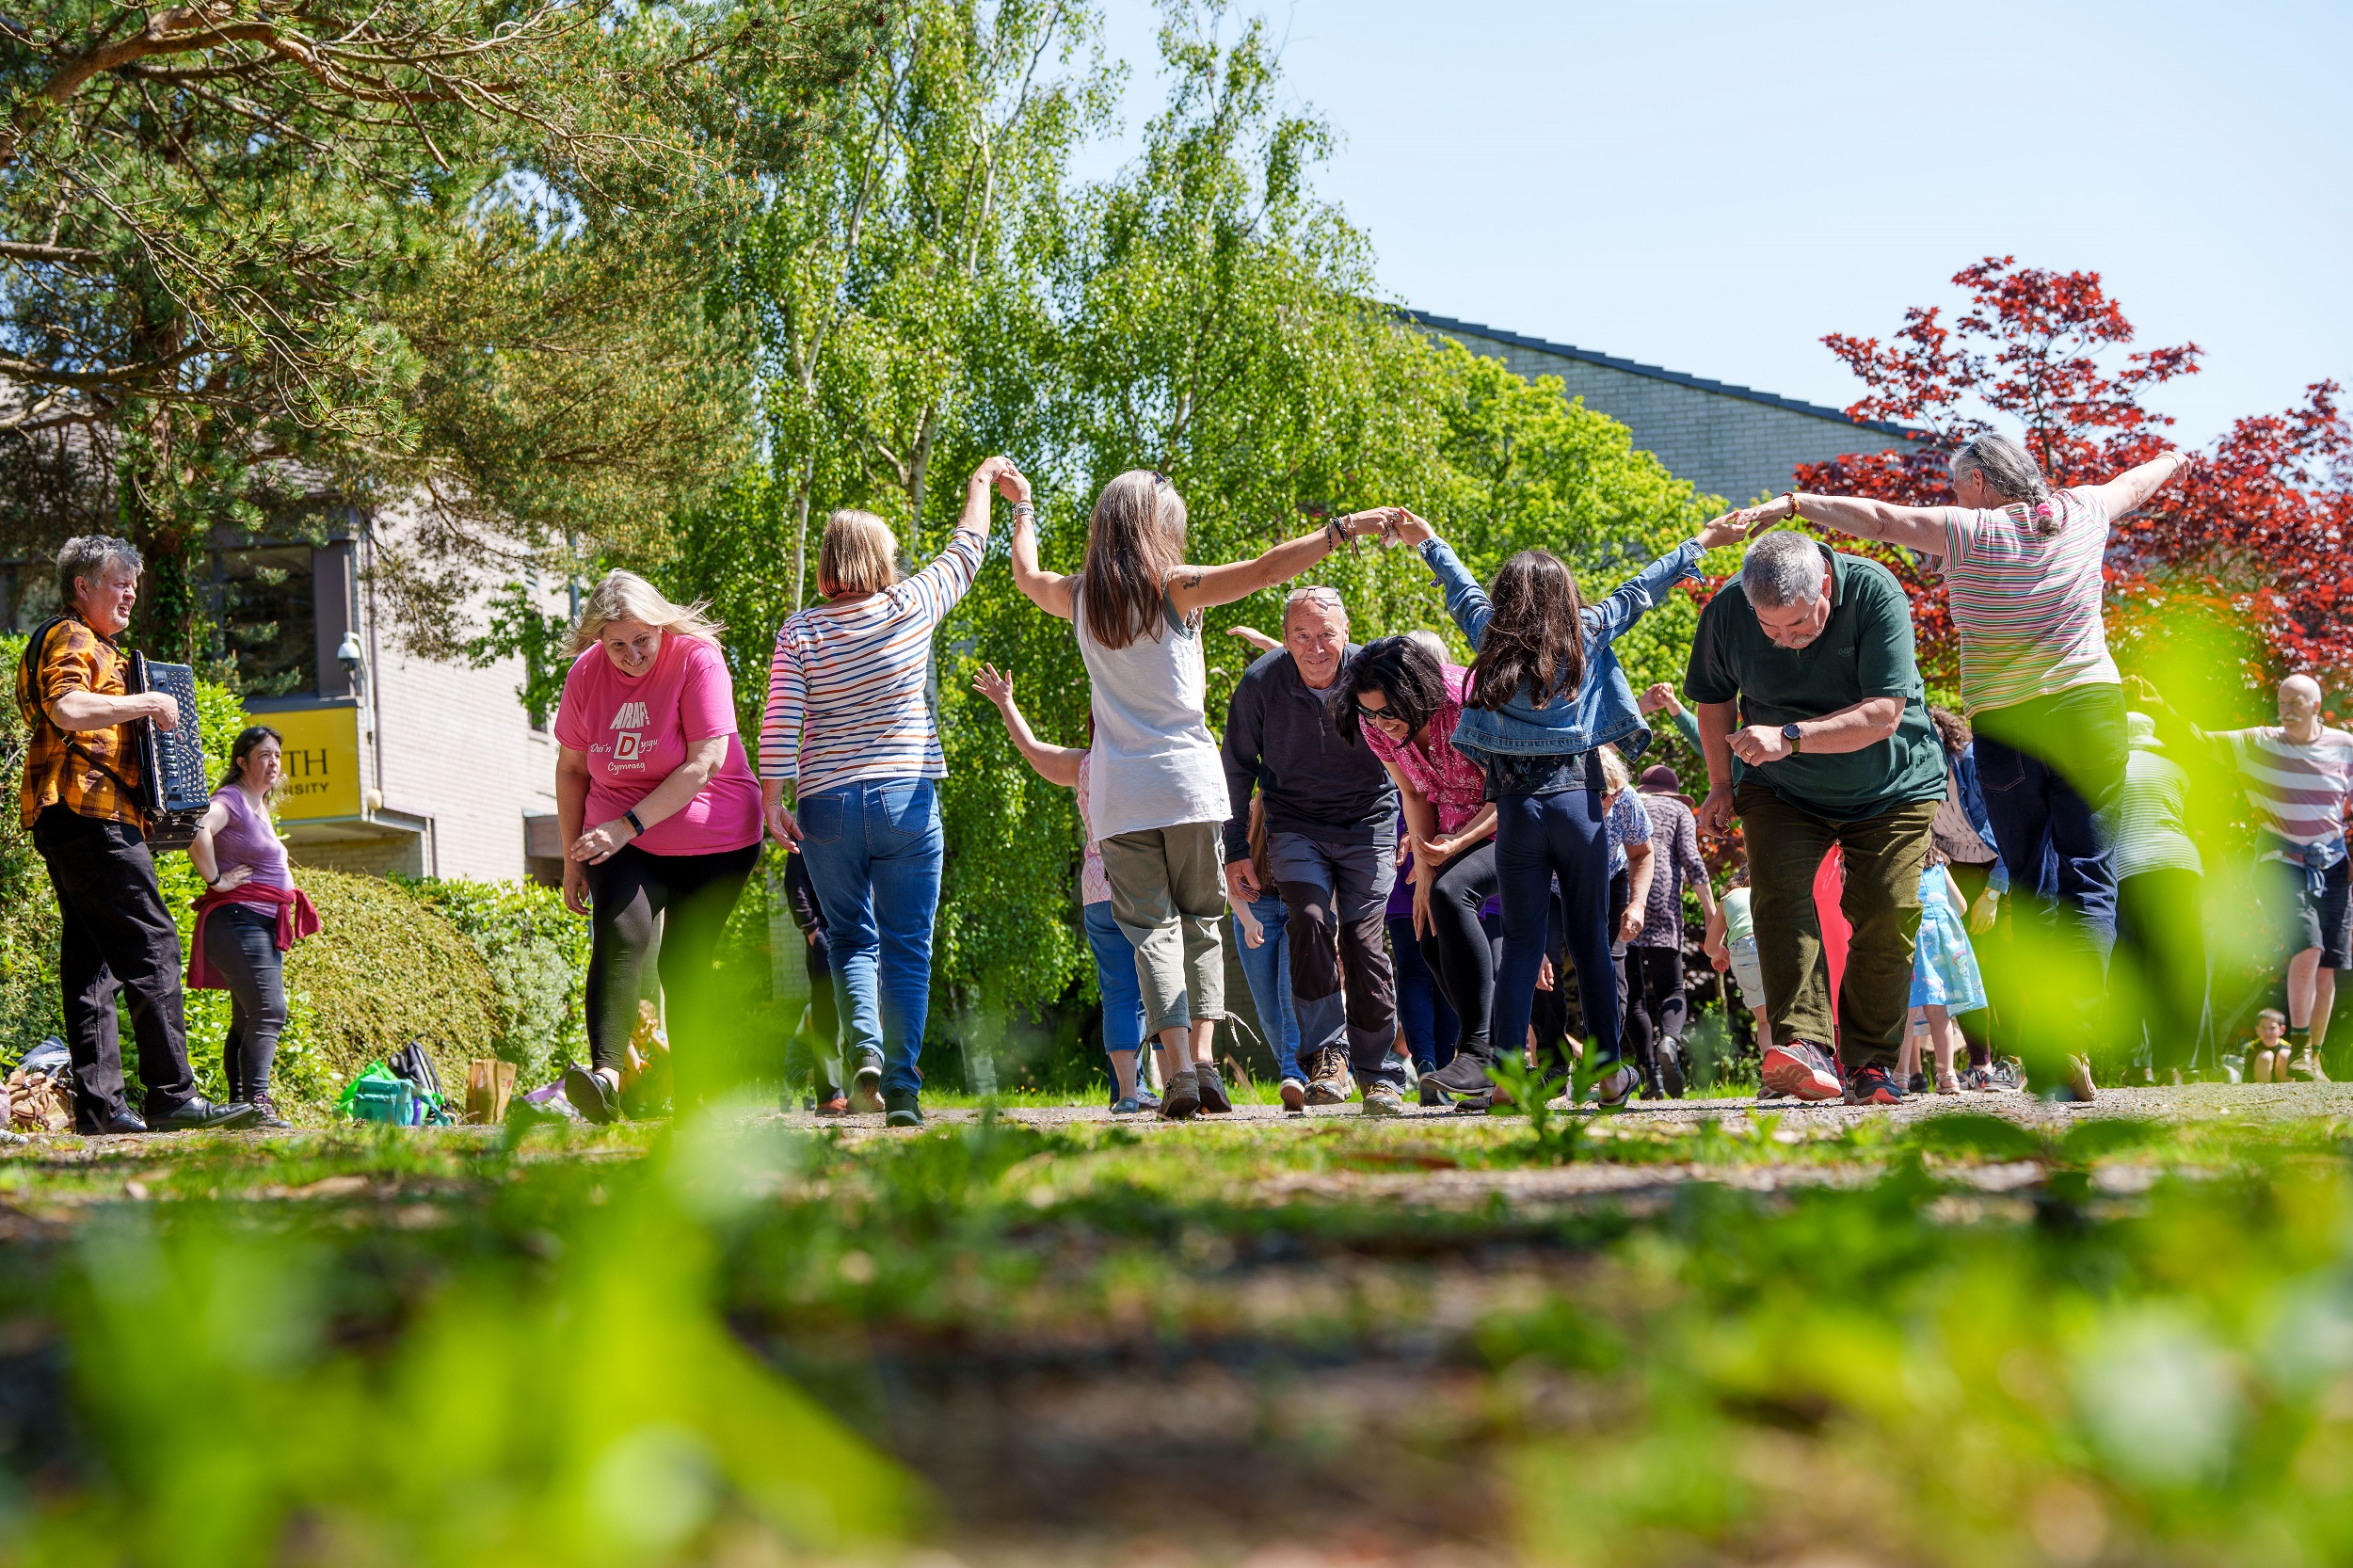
1796	1070
1873	1084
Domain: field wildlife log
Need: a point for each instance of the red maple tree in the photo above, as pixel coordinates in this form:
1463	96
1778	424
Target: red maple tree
2254	534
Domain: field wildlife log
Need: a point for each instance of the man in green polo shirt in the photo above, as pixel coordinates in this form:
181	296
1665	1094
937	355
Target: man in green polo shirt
1816	728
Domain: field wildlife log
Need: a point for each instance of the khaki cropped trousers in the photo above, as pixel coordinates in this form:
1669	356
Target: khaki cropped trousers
1168	894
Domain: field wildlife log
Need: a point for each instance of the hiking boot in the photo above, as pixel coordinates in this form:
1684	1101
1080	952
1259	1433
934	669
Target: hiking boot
1210	1086
592	1094
2306	1069
267	1117
1180	1097
1797	1070
1330	1083
1295	1093
1873	1084
1465	1075
1383	1099
866	1088
1615	1088
902	1110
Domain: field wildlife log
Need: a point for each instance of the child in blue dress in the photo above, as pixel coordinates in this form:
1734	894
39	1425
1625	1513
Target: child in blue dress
1944	978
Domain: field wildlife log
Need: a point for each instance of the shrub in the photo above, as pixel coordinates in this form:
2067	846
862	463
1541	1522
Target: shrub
536	952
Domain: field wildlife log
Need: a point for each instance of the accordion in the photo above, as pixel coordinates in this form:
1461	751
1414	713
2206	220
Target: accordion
173	788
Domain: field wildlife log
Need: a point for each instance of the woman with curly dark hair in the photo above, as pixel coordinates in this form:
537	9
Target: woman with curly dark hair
1544	694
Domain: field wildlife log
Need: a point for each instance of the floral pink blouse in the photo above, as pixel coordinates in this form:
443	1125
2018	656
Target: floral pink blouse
1452	784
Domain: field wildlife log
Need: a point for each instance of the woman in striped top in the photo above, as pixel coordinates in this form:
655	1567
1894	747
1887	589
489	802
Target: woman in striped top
849	726
2022	565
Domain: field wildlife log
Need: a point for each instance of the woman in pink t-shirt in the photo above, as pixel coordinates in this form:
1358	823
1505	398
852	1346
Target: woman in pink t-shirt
658	812
1404	701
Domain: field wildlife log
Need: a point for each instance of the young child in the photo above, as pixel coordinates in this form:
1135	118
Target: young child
2268	1062
1944	978
1730	945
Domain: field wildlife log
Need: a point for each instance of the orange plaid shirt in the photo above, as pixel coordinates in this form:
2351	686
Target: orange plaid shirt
91	772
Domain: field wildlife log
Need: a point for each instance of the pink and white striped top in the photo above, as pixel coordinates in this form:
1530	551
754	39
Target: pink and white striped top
846	697
2299	792
1093	887
2027	604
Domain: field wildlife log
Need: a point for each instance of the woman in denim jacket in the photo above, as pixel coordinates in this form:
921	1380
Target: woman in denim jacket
1545	691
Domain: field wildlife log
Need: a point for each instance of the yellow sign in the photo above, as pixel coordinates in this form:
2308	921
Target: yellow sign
322	762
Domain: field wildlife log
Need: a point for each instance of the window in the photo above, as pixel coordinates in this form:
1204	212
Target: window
264	603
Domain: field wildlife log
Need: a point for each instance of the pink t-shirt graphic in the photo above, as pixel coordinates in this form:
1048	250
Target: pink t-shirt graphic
636	733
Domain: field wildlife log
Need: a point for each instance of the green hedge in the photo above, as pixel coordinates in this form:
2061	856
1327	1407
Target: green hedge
537	953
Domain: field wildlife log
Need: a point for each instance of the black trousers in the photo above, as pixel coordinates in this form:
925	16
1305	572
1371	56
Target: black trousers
241	942
1457	948
117	938
1655	1002
695	894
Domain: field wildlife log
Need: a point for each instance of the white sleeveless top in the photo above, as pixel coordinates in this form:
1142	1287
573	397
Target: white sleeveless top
1154	762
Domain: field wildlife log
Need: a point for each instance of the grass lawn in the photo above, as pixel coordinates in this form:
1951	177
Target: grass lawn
1028	1335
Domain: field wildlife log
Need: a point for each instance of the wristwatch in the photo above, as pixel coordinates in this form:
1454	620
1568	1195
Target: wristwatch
1789	733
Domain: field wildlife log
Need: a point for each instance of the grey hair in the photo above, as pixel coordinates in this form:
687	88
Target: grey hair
1314	593
2014	475
90	555
1782	569
1429	643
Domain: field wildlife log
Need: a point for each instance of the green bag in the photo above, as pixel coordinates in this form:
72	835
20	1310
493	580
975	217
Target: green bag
378	1094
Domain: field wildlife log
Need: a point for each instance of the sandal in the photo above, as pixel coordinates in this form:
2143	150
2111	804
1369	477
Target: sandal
1947	1084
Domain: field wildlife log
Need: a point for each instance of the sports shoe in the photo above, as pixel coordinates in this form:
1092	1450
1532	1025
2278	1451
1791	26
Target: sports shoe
1147	1099
2008	1075
1329	1082
1797	1070
1382	1099
1180	1097
1615	1088
1916	1084
902	1110
2306	1069
1127	1107
267	1119
1295	1093
1465	1075
1210	1086
866	1088
1428	1093
591	1095
1872	1084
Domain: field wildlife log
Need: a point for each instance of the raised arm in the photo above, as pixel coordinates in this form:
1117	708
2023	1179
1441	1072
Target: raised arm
2128	490
1054	764
1466	601
1192	589
1920	528
1050	591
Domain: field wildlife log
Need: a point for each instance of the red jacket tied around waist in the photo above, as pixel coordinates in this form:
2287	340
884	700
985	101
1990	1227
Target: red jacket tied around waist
296	919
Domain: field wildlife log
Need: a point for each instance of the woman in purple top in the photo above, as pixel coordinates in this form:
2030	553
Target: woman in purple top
250	899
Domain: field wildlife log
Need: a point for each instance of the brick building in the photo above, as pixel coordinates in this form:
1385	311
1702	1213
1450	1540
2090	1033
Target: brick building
1729	441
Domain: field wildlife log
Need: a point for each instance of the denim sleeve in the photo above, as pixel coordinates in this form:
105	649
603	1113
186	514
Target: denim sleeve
1466	601
1639	594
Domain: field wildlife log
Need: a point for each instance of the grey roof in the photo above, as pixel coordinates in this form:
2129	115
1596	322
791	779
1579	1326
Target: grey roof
1722	388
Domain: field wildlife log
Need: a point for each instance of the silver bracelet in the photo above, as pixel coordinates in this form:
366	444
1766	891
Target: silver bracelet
1024	509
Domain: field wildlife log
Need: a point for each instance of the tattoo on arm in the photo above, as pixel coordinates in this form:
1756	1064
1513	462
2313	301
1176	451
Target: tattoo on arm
1192	579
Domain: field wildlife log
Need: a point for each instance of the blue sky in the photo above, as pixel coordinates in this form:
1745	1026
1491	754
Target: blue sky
1712	187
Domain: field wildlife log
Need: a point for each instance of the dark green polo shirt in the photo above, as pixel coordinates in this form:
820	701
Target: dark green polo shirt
1865	652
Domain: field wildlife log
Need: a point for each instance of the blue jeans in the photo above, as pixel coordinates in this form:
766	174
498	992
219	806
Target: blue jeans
874	850
1537	836
1423	1012
2049	768
1268	969
1115	976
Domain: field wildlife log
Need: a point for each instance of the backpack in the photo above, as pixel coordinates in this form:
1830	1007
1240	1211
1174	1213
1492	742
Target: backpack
39	1095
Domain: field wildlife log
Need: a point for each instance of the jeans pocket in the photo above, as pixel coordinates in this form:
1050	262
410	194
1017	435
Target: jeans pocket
820	818
2000	769
903	812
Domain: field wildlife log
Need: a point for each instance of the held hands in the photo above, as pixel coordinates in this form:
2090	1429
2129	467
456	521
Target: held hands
601	843
994	684
1658	696
1759	743
1733	527
1407	529
999	471
1715	813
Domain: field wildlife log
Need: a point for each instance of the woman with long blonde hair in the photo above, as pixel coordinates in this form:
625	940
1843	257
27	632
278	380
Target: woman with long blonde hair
658	814
1159	798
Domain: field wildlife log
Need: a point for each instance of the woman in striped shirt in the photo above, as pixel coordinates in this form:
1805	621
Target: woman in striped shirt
850	726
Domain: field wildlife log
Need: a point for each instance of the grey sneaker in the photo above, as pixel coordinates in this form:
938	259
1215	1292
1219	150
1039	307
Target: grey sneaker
1382	1099
1210	1086
1328	1083
1295	1093
1180	1098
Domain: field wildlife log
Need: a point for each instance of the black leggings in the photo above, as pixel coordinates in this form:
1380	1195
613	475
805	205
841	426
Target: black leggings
626	894
241	944
1654	1003
1457	950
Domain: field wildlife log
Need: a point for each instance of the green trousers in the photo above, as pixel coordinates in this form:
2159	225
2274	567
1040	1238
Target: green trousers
1881	901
